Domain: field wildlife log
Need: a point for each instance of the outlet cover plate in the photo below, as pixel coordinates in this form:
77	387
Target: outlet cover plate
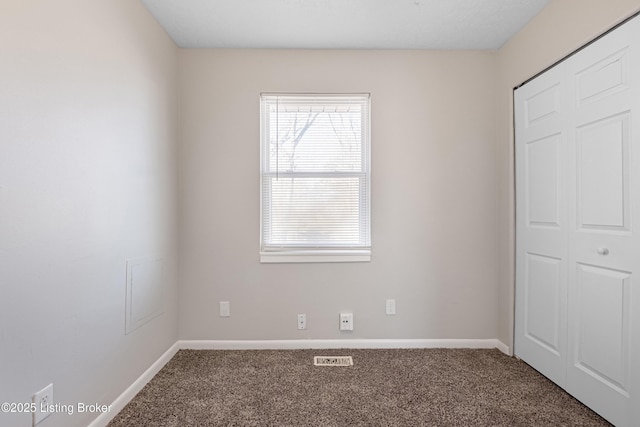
43	399
302	321
346	321
225	309
391	307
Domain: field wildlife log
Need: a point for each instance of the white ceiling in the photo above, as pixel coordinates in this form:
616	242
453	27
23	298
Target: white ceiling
343	24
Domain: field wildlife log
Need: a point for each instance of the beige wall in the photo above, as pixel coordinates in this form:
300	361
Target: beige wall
433	197
561	27
88	179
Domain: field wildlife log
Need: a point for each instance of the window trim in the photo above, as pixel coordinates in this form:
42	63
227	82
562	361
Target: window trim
313	256
316	254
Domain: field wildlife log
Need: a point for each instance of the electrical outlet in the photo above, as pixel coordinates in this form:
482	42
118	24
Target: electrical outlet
43	400
225	309
302	321
346	321
391	307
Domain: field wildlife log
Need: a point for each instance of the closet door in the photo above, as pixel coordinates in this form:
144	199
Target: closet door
604	223
541	224
578	224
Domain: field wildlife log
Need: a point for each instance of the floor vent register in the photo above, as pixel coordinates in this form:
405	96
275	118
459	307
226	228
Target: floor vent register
333	361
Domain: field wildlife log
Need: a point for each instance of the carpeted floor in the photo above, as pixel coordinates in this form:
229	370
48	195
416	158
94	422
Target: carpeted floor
417	387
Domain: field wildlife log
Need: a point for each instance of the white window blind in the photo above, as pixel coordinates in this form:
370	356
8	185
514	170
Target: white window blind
315	178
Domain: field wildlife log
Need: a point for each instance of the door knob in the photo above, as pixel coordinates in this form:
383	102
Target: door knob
603	251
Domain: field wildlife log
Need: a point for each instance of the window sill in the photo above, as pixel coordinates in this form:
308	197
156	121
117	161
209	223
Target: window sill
315	256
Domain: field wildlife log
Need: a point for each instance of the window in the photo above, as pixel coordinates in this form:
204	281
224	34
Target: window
315	179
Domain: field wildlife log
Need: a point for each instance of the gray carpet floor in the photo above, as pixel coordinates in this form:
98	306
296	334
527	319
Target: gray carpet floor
414	387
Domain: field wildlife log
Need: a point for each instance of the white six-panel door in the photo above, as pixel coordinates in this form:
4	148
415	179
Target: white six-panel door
578	224
541	226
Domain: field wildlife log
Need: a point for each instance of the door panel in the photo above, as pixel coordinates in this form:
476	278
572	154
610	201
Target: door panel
542	105
602	347
603	257
603	78
602	151
543	181
542	296
541	226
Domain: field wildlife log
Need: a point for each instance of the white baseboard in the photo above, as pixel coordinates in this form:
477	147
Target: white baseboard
126	396
354	343
503	348
138	384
